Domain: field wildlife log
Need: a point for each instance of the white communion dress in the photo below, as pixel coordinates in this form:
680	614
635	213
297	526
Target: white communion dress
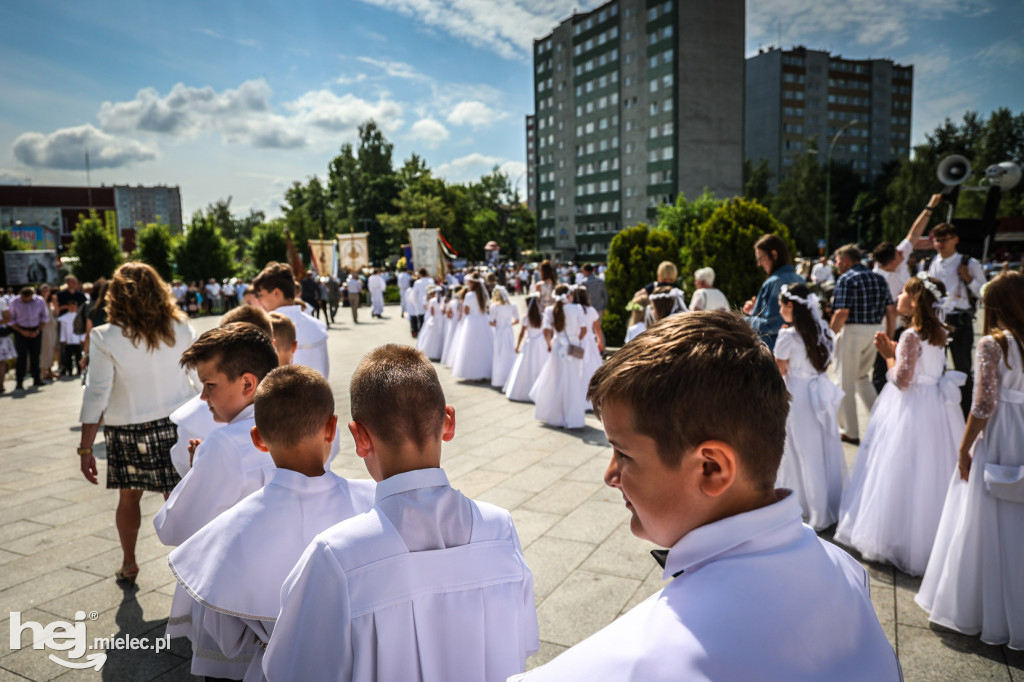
474	343
559	393
813	464
533	353
891	506
431	339
453	308
504	353
975	578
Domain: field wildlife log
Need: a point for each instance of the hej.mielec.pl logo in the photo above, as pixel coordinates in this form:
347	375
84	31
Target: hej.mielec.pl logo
72	638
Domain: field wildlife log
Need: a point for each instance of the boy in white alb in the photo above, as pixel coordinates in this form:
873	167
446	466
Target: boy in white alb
70	342
695	409
428	586
231	361
275	287
236	564
194	419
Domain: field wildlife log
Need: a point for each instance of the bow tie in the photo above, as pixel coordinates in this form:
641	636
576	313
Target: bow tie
661	555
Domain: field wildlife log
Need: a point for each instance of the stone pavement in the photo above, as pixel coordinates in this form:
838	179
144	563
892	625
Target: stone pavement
59	547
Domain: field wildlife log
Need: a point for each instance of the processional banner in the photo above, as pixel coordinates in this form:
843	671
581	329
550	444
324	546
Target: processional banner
324	257
354	249
426	253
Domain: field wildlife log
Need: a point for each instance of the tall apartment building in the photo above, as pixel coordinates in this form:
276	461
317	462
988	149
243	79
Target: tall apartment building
634	102
531	164
139	206
793	95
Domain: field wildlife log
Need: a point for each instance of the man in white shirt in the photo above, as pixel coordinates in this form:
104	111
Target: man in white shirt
429	586
753	592
822	272
275	286
376	285
404	282
963	277
419	288
354	287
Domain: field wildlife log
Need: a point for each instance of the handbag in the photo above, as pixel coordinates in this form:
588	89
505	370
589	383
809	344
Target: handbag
576	351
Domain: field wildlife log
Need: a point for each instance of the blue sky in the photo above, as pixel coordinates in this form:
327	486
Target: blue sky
240	99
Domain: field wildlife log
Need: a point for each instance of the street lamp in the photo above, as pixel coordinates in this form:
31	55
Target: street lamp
828	176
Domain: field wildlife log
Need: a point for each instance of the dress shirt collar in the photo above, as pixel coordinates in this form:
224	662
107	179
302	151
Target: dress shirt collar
286	478
746	532
246	413
410	480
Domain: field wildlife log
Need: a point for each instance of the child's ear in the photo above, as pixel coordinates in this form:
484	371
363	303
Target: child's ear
249	384
331	428
257	440
449	423
718	467
362	438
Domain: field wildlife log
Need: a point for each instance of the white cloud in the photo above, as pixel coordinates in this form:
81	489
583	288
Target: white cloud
244	42
428	130
507	27
395	69
325	111
474	113
350	80
9	177
65	149
1007	52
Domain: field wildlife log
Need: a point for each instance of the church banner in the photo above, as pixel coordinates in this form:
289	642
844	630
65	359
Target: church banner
426	252
324	257
354	249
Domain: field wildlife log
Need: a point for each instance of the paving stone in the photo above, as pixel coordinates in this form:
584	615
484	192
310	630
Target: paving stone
27	567
530	525
591	522
537	476
45	588
622	554
938	655
1015	662
34	664
561	497
19	529
883	598
33	510
907	610
547	652
478	481
583	604
552	560
506	498
651	584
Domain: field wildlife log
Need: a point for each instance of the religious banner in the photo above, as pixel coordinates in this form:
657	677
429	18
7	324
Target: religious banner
324	257
425	251
354	250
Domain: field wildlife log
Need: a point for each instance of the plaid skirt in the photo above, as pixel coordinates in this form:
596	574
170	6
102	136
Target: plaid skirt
139	456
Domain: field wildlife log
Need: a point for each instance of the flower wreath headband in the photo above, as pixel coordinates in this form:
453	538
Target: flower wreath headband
813	304
939	306
679	299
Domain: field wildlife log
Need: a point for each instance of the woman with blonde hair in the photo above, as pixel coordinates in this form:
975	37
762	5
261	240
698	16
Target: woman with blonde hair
133	385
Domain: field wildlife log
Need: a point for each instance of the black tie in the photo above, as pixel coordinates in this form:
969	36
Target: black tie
661	555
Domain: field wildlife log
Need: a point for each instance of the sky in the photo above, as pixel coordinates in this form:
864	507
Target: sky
240	99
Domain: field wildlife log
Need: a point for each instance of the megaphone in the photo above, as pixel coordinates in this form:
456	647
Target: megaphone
1003	175
953	170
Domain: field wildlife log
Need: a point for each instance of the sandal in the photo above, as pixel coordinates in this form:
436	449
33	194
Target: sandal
127	574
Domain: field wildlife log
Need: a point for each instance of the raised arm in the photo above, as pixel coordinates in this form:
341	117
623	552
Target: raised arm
916	234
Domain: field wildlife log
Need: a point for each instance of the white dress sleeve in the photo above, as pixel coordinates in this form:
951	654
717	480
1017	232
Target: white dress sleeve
907	353
785	343
987	378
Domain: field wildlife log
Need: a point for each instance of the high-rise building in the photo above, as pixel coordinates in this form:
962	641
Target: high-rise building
138	206
531	164
794	95
634	102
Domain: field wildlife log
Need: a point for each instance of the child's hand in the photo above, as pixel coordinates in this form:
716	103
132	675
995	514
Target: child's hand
886	347
964	464
193	443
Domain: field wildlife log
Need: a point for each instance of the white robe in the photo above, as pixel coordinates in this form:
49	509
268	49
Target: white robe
376	285
427	586
227	467
404	282
194	420
419	289
311	337
757	596
226	565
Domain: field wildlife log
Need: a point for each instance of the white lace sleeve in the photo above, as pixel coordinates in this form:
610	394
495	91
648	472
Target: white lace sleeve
986	377
907	353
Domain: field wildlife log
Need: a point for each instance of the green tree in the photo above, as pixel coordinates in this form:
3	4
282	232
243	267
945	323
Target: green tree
799	202
633	258
685	214
203	251
8	243
725	242
756	180
268	244
96	249
155	245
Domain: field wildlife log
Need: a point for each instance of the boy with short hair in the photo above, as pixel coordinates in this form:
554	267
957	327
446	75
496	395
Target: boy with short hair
70	342
275	287
295	423
695	409
284	338
428	585
231	361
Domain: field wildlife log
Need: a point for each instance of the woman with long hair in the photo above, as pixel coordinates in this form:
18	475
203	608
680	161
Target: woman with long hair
974	582
133	384
559	393
762	312
531	352
545	286
474	342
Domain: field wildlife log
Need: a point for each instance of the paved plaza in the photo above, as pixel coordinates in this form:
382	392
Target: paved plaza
59	547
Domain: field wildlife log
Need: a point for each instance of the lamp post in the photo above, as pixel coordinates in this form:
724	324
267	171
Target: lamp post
828	176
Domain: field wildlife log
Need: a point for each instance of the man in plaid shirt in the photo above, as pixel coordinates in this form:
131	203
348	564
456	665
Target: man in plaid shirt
860	304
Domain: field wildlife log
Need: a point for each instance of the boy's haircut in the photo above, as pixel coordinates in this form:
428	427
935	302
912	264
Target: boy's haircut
884	253
944	230
292	403
276	276
667	271
283	329
850	252
698	377
396	395
237	348
250	314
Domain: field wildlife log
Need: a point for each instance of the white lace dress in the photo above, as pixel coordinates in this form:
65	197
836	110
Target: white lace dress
533	353
559	394
474	342
813	464
975	578
504	354
891	505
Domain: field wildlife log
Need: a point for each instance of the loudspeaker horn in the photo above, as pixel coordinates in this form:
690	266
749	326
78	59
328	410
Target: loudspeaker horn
953	170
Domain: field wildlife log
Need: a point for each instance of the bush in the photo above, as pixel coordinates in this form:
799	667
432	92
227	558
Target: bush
155	245
725	242
96	249
268	244
391	294
633	259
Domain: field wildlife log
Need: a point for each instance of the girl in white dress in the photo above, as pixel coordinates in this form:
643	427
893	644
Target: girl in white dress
503	316
453	311
559	393
531	353
813	464
639	309
974	582
431	339
446	323
593	342
474	341
891	506
6	342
